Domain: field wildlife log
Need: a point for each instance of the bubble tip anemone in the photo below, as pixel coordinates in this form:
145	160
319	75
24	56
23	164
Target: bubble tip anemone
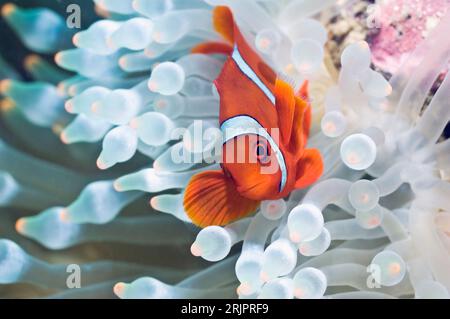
119	289
244	289
5	85
8	9
119	188
264	276
20	225
58	58
30	61
69	106
64	138
76	39
134	123
6	105
102	165
196	250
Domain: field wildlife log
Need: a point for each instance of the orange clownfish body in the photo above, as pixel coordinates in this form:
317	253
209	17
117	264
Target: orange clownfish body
265	125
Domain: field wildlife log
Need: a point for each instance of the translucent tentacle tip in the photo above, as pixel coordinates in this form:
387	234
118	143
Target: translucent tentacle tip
64	215
119	289
273	209
358	152
118	187
267	40
333	124
317	246
388	268
356	57
244	289
7	9
280	258
167	79
305	223
76	39
143	288
370	219
307	55
31	60
69	106
364	195
101	164
309	283
6	105
212	243
20	226
5	85
281	288
13	261
58	58
63	137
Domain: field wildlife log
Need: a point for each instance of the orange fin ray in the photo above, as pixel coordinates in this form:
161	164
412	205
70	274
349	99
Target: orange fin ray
211	198
285	105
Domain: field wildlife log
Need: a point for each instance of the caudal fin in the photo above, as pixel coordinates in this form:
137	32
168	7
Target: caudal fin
211	198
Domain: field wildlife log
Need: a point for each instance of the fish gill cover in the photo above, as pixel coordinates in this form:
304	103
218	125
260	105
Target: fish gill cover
94	121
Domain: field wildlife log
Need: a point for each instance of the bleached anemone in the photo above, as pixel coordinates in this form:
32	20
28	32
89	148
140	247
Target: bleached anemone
376	225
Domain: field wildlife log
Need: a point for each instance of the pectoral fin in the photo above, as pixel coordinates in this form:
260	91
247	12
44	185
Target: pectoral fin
309	168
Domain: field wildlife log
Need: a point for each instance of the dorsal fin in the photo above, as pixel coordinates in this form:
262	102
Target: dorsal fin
300	130
285	105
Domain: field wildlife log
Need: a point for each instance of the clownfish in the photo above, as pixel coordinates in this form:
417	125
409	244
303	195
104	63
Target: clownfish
254	103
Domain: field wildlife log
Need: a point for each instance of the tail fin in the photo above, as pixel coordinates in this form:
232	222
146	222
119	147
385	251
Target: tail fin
211	198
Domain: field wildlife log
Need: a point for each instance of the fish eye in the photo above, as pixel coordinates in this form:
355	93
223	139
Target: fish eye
262	152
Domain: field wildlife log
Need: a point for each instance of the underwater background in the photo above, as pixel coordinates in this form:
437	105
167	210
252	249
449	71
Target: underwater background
97	188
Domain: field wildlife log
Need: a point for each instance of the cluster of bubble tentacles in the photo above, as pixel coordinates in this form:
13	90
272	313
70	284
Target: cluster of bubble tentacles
375	226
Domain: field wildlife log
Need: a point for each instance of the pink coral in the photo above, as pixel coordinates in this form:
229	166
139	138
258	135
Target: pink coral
399	26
